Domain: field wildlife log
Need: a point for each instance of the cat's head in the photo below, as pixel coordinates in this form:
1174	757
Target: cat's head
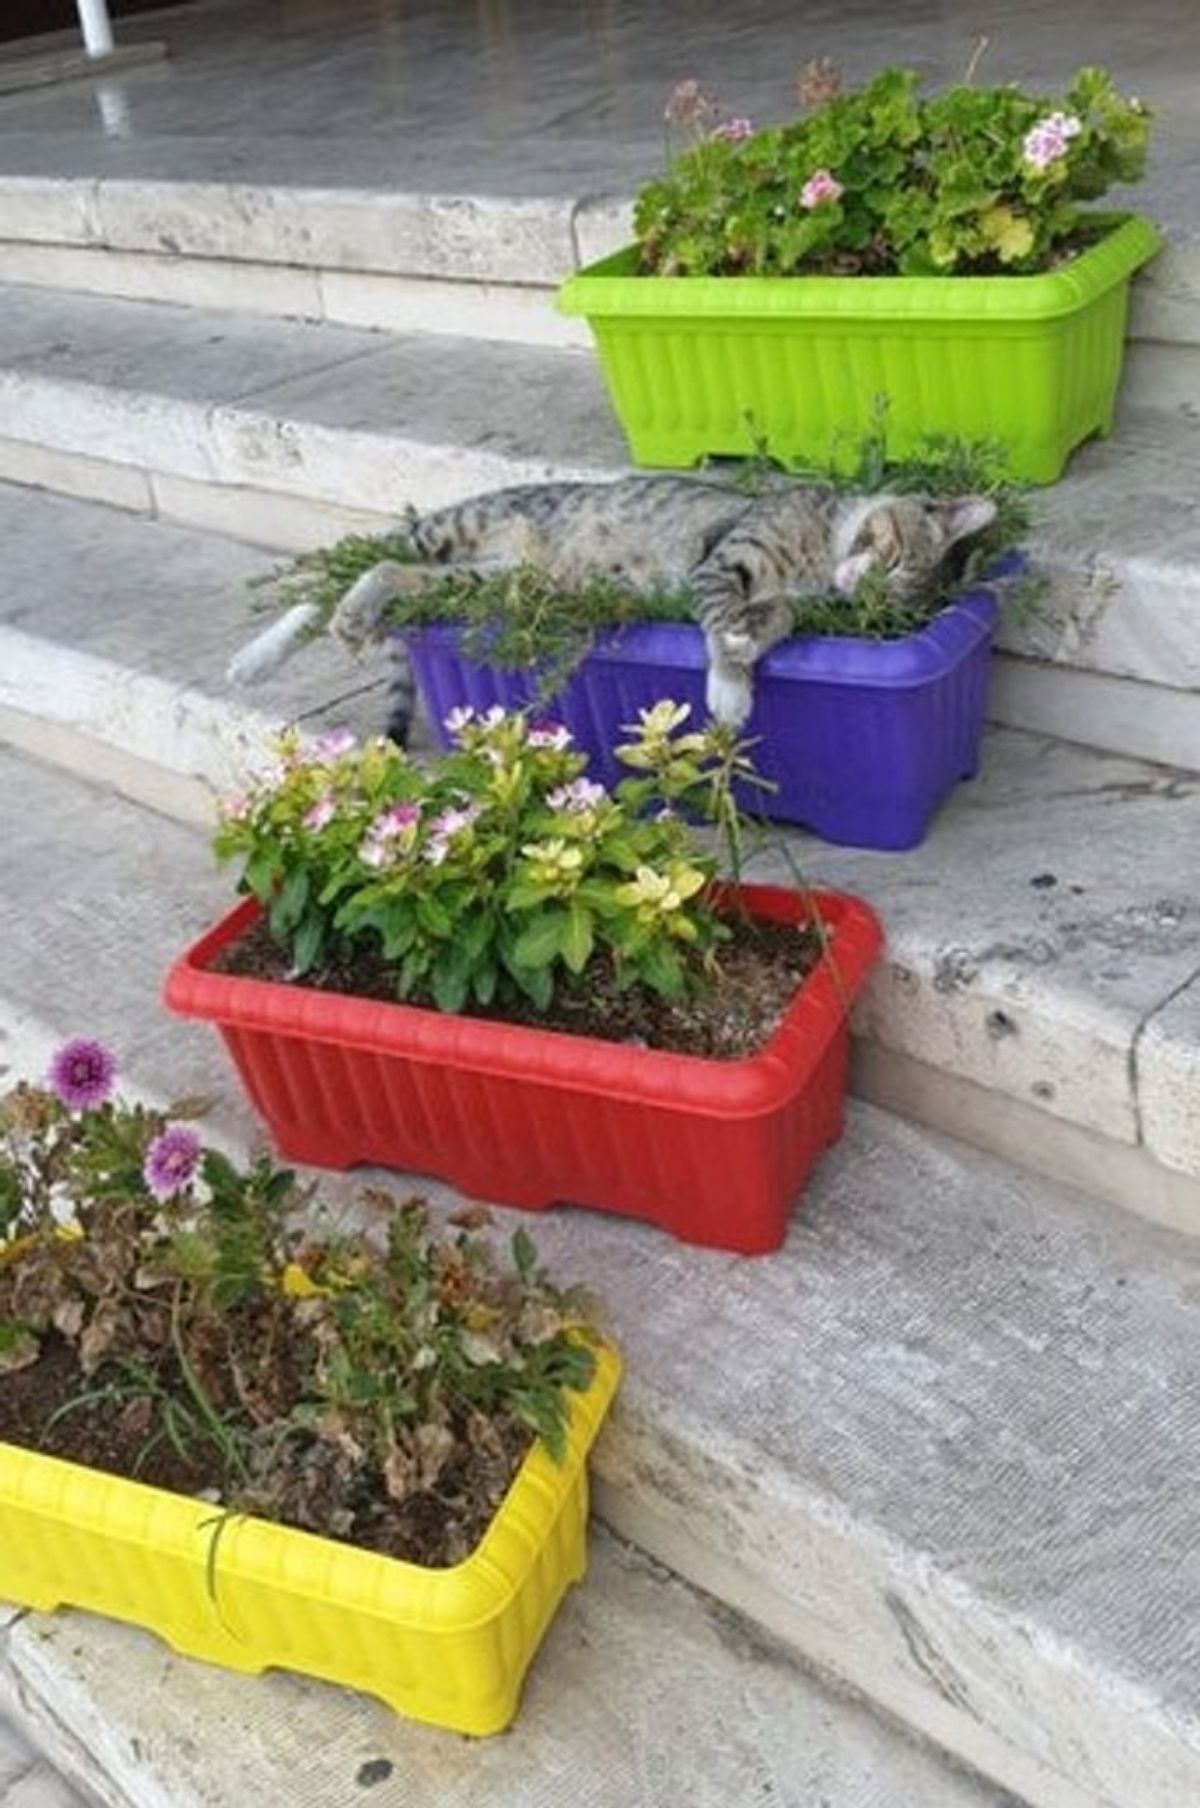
907	538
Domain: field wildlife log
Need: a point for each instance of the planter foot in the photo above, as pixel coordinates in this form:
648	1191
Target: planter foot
312	1150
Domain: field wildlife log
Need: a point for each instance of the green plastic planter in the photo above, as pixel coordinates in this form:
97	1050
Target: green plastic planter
703	366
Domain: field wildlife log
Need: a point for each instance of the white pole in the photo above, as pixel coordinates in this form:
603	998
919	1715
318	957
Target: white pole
97	30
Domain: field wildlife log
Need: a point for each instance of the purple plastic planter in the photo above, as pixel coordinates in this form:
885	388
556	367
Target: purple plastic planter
863	738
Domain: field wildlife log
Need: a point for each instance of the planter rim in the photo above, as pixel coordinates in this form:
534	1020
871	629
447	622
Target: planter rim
411	1596
907	661
582	1064
611	287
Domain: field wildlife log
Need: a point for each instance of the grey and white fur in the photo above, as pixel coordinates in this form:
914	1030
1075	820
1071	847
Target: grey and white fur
744	559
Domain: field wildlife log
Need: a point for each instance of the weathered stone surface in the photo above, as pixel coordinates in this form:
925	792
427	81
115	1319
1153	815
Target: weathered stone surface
1167	1061
1121	542
46	68
331	413
1059	873
621	1707
913	1444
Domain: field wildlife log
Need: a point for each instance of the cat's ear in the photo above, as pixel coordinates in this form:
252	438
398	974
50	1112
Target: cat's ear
963	515
849	573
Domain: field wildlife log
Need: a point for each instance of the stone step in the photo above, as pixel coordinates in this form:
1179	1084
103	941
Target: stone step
1040	989
621	1706
288	434
942	1445
480	265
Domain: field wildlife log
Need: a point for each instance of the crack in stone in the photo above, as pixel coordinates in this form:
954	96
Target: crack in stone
931	1662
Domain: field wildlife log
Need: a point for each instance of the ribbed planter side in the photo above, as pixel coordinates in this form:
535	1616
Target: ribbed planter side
715	366
714	1151
448	1646
862	740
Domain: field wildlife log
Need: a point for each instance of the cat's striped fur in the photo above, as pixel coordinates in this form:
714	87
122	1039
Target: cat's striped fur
743	558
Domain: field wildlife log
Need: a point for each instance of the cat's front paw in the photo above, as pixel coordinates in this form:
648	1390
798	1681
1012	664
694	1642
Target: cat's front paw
356	618
729	694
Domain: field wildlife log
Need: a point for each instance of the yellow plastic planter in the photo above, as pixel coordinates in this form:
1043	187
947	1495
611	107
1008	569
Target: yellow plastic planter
448	1646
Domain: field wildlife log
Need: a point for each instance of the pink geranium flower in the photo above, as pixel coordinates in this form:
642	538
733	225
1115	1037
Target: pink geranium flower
821	186
1050	139
734	131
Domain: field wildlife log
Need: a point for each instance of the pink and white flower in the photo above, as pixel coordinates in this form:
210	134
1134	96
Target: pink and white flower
1050	139
453	822
444	828
734	131
333	745
235	809
821	186
321	814
578	797
390	835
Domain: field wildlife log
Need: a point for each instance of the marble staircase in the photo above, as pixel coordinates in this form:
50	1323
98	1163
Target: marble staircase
932	1470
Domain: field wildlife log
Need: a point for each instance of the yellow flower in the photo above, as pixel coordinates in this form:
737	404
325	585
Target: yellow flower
654	729
654	894
555	863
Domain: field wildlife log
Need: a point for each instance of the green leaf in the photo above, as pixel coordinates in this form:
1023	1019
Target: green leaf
524	1253
308	942
287	907
540	940
578	938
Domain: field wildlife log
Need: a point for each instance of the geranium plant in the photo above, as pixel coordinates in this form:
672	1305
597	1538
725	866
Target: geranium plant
195	1331
885	181
499	871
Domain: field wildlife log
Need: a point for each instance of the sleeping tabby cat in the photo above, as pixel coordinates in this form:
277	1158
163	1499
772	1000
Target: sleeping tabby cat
743	558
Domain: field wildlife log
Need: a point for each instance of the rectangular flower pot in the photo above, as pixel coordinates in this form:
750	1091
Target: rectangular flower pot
714	1151
448	1646
861	738
701	366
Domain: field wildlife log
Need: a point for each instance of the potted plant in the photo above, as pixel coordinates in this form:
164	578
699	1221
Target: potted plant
277	1448
932	251
498	971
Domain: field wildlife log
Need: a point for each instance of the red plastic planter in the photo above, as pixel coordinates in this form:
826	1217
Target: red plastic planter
714	1151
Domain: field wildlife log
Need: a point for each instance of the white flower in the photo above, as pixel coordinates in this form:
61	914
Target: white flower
460	717
552	735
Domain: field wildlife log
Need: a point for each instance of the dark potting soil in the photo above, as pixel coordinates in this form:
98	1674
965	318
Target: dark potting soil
52	1407
762	966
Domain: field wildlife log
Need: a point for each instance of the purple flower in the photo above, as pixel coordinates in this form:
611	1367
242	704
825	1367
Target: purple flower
580	795
333	745
821	186
81	1073
734	131
321	813
171	1161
